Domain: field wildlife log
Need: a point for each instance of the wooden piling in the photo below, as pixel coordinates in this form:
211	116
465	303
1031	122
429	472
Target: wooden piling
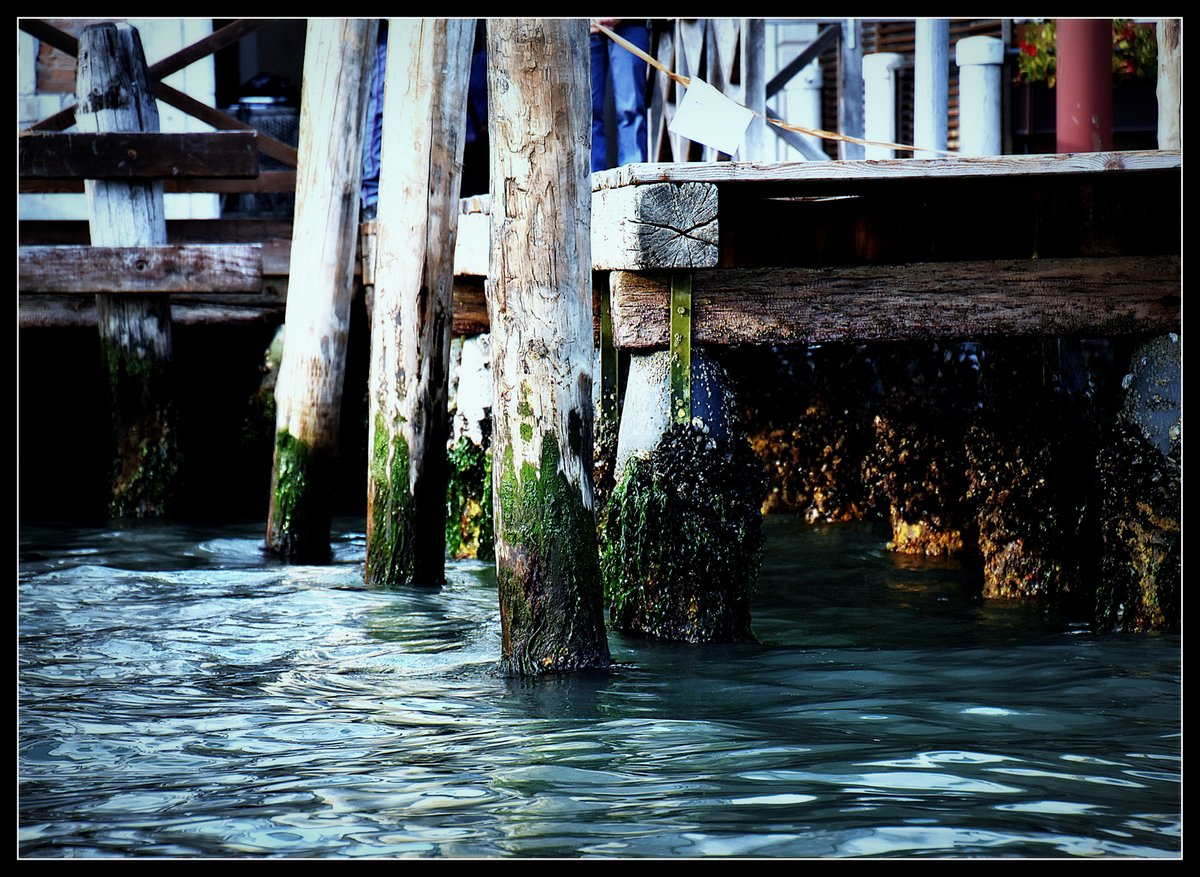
113	94
424	127
1170	83
540	300
337	75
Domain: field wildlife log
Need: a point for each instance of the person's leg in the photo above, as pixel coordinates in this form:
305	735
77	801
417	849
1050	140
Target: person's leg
599	86
629	91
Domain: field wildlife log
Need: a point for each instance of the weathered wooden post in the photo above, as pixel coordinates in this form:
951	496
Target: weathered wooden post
113	94
540	302
1170	83
308	395
424	127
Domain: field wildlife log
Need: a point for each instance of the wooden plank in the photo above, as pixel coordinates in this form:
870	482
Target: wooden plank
202	48
66	311
267	145
146	269
470	307
666	226
472	248
50	35
1084	297
1095	163
138	155
274	236
267	181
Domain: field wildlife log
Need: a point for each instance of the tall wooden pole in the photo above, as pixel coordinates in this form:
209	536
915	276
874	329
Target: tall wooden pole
337	76
1170	82
113	94
424	128
540	301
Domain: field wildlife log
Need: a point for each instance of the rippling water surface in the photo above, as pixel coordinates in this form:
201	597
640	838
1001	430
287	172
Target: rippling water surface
182	695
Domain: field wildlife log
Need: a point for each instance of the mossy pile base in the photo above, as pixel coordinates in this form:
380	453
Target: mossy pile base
681	539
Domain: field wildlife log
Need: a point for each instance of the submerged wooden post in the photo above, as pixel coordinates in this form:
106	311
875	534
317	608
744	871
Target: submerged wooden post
337	75
424	126
540	301
113	94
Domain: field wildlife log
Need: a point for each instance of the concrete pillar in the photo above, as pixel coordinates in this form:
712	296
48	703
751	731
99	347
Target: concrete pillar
931	85
879	100
1083	91
979	61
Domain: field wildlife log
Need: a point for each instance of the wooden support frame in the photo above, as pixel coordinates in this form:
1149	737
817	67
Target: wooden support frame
137	155
151	269
160	70
924	301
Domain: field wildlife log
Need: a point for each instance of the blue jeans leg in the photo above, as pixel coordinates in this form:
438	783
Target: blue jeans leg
599	86
629	91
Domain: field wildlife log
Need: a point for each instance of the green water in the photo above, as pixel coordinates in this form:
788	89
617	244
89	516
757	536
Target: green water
182	695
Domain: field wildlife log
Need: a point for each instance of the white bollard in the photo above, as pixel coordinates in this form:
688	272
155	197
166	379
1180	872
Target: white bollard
879	100
931	86
808	101
979	61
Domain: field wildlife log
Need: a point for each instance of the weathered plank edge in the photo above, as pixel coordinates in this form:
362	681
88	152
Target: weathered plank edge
1085	297
159	269
887	169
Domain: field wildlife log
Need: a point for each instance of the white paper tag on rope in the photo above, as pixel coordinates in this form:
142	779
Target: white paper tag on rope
707	116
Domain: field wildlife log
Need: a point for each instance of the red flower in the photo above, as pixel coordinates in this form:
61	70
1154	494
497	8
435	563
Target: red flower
1029	49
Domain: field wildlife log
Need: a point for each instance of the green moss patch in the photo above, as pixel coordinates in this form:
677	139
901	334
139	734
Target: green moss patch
681	539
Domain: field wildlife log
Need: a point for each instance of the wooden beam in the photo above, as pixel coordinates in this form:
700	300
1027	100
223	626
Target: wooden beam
1096	163
273	235
148	269
138	155
470	307
1082	297
221	309
664	226
50	35
202	48
266	181
824	39
267	145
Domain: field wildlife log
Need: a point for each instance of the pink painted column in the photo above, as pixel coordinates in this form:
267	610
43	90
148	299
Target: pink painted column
1084	86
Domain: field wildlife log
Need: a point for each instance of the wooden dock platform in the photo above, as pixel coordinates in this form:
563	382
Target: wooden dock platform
1078	244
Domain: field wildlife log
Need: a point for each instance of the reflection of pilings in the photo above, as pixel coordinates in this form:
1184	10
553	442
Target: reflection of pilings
681	537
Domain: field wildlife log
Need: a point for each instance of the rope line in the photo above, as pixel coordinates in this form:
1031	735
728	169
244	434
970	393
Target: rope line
780	123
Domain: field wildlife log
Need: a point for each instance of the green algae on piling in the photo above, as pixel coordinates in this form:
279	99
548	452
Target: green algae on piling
547	572
681	541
